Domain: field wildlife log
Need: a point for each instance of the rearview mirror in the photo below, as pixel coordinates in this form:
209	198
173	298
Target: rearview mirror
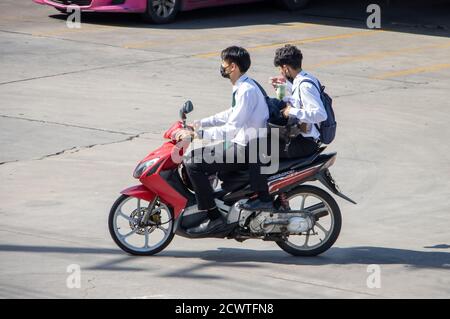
188	107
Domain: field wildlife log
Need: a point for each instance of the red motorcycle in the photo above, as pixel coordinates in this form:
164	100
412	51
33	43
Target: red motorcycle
146	217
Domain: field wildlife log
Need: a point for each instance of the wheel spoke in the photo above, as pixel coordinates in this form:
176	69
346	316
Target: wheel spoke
146	239
156	3
159	10
302	206
128	218
306	239
322	229
130	233
125	216
163	230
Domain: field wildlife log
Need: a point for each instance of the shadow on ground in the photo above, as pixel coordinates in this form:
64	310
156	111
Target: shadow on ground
234	256
412	16
335	256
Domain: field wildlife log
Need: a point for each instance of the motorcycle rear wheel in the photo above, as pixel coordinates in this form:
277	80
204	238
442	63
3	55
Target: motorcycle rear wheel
330	208
130	220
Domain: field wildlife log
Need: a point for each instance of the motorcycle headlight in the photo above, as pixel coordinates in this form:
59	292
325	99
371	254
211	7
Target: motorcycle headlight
143	166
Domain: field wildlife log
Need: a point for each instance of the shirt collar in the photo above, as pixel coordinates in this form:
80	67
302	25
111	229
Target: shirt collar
242	79
299	77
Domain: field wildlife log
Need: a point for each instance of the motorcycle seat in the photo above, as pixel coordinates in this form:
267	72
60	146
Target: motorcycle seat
286	164
232	181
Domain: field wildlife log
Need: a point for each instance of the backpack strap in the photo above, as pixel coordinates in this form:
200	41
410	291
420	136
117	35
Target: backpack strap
313	83
318	89
261	88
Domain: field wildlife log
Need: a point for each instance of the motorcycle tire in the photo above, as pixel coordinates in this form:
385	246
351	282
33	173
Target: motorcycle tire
324	246
119	243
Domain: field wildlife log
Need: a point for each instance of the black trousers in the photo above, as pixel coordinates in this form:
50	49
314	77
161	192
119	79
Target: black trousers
298	147
222	158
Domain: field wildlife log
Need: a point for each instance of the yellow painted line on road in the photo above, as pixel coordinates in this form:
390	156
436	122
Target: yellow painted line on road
217	36
61	29
422	69
284	27
140	45
377	55
18	19
298	42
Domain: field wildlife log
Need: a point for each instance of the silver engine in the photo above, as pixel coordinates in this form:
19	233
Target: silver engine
265	223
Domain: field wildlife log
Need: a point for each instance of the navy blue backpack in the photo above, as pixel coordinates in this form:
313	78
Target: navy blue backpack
327	128
275	106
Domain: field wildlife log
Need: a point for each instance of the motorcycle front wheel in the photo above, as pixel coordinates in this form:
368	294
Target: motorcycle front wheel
327	222
131	235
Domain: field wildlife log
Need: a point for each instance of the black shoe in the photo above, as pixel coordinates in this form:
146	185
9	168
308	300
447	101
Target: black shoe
208	227
258	205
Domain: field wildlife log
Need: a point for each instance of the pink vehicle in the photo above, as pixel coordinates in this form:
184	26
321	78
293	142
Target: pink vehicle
156	11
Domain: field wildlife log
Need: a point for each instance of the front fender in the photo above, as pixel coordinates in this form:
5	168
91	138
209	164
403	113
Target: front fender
139	191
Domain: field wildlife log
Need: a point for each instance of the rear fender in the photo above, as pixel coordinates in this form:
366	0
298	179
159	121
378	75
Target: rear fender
324	176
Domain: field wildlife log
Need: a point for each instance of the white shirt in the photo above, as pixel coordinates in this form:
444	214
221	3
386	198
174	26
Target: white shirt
238	123
307	106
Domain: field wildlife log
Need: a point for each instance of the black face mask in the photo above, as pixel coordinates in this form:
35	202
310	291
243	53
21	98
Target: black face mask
289	78
223	72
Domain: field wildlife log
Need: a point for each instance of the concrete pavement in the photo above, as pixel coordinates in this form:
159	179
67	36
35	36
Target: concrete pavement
80	108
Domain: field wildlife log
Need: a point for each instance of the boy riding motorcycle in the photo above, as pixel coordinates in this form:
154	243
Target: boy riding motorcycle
248	112
304	103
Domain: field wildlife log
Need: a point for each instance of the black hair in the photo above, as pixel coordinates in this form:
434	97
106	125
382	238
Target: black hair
237	55
289	55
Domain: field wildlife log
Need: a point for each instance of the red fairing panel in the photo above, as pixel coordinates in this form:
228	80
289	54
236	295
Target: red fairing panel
280	183
169	134
156	184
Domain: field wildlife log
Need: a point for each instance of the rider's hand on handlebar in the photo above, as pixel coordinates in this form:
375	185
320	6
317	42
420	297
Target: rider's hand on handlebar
194	125
184	134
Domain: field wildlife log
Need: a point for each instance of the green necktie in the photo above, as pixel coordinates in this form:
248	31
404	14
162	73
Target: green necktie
227	144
